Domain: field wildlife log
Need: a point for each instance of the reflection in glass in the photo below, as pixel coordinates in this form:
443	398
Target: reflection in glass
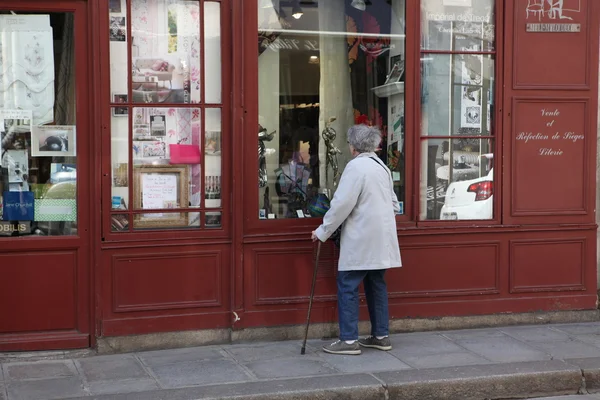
442	21
457	94
319	74
165	51
212	52
212	158
38	157
119	151
459	179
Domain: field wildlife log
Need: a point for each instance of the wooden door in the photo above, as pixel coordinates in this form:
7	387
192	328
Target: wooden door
46	177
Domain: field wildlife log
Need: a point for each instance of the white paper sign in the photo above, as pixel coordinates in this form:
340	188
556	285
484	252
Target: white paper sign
159	191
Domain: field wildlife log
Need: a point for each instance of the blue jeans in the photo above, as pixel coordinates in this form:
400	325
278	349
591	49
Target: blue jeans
377	302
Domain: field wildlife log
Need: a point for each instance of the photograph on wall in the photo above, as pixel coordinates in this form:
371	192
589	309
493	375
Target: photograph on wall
63	172
141	132
158	125
120	111
18	166
114	6
120	175
212	187
119	98
153	149
212	142
117	29
53	141
213	220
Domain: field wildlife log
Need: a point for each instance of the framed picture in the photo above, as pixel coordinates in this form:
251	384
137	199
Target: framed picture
160	187
114	6
117	29
53	141
396	72
119	98
120	111
213	219
158	125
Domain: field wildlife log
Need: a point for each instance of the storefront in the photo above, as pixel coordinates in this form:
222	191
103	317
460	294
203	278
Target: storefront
164	161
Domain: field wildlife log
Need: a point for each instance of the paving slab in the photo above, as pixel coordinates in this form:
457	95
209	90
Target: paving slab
543	334
267	351
122	386
570	349
591	372
290	367
502	348
432	351
473	333
114	367
166	357
575	397
579	329
498	381
195	373
371	360
347	387
47	389
39	370
593	339
2	393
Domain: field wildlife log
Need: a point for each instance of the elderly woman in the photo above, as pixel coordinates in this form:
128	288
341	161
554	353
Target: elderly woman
366	204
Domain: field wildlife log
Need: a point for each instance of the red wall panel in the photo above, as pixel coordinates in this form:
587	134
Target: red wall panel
162	281
31	296
549	265
449	269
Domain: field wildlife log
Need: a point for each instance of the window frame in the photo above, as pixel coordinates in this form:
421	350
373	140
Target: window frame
201	232
496	125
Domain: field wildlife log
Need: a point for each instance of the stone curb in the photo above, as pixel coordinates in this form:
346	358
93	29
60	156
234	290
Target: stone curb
490	382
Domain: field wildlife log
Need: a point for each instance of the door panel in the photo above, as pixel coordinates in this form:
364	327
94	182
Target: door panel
45	176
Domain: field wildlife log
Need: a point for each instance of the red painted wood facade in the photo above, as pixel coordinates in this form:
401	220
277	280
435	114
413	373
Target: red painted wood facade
539	253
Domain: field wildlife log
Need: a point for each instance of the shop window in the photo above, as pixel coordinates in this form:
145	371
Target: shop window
38	159
166	143
457	106
325	65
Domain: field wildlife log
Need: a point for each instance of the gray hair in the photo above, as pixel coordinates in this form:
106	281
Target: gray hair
363	138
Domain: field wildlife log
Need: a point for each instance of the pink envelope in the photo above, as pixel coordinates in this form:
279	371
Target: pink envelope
184	154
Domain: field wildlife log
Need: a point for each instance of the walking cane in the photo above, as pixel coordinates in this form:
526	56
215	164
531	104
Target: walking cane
312	293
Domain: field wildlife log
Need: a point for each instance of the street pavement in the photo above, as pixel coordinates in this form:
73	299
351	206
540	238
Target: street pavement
475	364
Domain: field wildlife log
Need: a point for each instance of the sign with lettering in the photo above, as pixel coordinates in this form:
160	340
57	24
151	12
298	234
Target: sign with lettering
549	156
557	28
18	206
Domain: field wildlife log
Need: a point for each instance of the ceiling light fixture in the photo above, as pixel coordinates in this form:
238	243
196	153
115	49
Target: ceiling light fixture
359	5
297	11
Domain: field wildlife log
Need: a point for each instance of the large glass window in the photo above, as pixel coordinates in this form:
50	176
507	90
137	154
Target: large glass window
166	143
457	105
38	159
325	65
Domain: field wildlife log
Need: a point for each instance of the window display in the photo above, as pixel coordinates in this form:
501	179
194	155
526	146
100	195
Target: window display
159	170
457	105
336	65
38	164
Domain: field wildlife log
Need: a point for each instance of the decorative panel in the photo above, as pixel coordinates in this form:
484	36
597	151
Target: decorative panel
446	269
38	291
166	281
547	265
284	275
549	172
551	44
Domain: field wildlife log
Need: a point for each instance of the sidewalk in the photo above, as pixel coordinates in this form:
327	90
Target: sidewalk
494	363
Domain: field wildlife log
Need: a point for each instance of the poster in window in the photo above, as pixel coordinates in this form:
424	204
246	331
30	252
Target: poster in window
53	141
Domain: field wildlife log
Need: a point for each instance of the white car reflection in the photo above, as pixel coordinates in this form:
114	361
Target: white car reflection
470	199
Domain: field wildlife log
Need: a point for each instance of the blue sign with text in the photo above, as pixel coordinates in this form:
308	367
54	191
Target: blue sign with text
18	206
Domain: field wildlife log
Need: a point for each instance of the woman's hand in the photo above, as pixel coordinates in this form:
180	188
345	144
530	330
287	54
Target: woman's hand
314	237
